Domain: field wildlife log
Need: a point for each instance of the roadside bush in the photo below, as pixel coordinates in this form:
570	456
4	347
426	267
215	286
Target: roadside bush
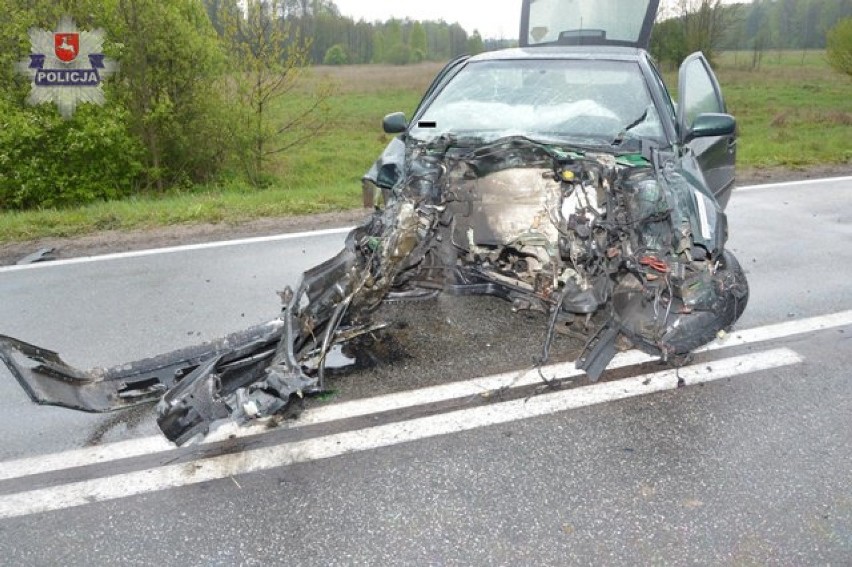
165	121
839	46
46	161
668	43
336	55
171	68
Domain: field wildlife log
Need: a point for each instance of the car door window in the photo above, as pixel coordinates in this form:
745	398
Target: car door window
699	92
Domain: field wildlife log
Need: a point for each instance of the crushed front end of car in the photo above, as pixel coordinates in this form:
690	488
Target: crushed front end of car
566	231
571	232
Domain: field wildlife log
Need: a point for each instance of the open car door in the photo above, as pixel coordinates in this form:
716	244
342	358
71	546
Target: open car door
705	128
626	23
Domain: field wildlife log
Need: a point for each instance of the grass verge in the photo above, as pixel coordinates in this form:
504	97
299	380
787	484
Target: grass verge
216	205
792	111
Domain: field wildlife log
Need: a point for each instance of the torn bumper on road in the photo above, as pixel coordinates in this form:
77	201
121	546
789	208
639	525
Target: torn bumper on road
565	232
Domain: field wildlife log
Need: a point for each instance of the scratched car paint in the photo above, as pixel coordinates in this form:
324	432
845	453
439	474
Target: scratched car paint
558	176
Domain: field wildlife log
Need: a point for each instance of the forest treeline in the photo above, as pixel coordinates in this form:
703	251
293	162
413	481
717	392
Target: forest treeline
783	24
757	26
335	39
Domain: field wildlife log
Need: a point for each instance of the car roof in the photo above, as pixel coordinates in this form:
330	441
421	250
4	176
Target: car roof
606	52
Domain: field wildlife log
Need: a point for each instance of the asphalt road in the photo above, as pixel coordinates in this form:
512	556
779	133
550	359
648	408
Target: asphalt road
755	467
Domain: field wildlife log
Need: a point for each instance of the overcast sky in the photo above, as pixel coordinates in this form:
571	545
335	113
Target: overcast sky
498	19
493	18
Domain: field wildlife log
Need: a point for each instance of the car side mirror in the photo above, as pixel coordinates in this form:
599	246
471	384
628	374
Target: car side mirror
395	123
712	124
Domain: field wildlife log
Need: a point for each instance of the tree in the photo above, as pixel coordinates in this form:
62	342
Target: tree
785	15
364	44
336	55
705	23
399	54
271	65
691	25
165	96
378	47
394	49
443	39
808	17
757	28
474	44
46	161
419	42
839	46
216	7
170	65
458	40
668	43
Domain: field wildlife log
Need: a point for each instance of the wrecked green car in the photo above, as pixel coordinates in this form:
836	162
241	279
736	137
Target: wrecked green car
558	176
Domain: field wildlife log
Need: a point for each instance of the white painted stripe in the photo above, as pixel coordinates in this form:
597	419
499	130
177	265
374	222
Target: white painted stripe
323	414
780	331
489	385
482	387
357	408
173	249
184	474
311	234
793	183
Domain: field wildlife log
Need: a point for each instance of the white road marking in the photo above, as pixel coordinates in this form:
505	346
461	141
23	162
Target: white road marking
182	248
484	386
295	235
323	414
184	474
793	183
781	330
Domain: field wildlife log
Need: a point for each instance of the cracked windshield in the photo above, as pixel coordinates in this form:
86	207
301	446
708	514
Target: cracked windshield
567	100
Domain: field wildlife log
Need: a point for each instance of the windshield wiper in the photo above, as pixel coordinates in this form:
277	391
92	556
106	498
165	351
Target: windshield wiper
619	139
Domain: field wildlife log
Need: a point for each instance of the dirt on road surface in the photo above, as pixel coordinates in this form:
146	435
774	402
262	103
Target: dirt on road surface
112	241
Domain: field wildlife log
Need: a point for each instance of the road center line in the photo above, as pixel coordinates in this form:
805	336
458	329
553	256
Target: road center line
357	408
184	474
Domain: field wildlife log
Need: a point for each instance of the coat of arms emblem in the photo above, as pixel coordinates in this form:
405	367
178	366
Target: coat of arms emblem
66	46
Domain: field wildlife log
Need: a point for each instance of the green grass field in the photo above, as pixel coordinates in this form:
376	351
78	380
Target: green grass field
793	111
790	113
